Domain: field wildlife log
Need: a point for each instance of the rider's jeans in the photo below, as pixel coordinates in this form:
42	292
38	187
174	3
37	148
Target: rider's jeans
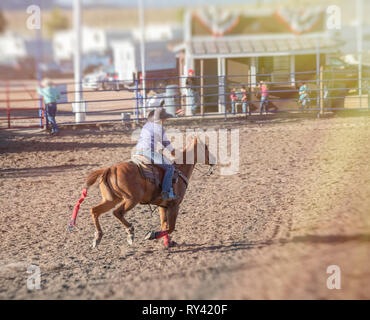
162	162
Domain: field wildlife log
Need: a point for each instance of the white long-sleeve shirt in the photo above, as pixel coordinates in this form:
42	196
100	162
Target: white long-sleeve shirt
151	135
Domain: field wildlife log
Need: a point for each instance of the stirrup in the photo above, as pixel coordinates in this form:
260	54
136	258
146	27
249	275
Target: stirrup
169	196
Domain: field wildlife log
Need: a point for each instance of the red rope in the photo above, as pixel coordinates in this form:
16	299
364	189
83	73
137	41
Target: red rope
72	223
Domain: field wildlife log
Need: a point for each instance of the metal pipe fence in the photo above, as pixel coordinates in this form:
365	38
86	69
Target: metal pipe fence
326	92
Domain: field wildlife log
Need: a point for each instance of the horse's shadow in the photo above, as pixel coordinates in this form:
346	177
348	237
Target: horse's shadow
328	239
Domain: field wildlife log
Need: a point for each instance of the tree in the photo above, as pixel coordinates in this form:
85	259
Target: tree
2	22
57	21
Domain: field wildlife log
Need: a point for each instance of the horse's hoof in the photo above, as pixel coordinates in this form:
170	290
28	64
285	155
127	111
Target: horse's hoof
97	238
170	244
150	235
96	242
130	239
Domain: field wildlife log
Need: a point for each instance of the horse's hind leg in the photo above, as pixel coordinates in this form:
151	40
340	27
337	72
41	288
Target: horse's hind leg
119	213
104	206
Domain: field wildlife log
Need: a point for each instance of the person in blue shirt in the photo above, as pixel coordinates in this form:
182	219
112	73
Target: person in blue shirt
50	95
152	135
304	99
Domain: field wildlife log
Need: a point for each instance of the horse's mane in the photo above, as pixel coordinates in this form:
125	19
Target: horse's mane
190	141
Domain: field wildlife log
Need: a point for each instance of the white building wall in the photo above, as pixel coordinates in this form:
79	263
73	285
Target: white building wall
12	46
94	41
124	59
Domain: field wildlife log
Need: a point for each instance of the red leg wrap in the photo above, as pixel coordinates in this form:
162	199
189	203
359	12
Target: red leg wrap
160	234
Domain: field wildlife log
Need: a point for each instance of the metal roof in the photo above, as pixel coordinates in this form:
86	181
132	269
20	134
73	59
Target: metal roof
259	45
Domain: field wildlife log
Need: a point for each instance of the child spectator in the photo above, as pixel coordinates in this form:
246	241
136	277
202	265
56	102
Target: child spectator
234	99
264	97
245	103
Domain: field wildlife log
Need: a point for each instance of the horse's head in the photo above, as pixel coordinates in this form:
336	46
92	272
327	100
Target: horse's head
201	150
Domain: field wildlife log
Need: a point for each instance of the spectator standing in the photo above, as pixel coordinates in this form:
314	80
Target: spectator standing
304	99
50	95
264	97
140	98
191	91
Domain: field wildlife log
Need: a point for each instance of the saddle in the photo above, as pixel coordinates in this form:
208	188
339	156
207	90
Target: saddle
154	174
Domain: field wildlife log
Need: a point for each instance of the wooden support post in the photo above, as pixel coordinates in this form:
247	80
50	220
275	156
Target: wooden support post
202	87
221	86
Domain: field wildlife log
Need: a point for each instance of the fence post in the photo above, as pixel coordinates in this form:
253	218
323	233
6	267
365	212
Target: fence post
225	95
249	87
43	115
317	70
7	102
202	87
321	90
222	104
137	101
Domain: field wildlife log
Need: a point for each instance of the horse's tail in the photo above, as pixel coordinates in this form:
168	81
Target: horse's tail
105	182
93	176
91	179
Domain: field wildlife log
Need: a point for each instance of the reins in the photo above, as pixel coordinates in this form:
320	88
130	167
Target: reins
209	172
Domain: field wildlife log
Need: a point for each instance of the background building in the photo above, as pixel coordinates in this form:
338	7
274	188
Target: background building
232	47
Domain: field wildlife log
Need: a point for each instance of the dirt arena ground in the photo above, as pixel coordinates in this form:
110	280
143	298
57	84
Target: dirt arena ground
299	203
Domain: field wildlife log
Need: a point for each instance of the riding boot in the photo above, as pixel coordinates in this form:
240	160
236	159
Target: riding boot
169	195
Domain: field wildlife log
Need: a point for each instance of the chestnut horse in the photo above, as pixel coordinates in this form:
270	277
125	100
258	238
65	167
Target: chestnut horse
123	185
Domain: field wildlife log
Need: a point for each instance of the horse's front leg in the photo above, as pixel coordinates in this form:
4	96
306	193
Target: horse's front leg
171	216
164	226
163	217
168	220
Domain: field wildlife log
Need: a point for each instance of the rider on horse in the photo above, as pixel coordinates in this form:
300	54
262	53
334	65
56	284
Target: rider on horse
152	133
